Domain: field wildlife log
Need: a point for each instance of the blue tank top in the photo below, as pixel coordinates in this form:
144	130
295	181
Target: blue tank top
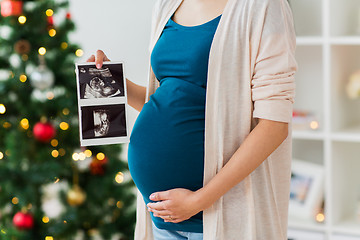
166	148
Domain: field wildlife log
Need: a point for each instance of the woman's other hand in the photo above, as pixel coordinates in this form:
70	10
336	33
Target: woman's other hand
99	58
175	205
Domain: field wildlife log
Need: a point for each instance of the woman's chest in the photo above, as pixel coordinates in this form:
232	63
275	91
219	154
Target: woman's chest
196	12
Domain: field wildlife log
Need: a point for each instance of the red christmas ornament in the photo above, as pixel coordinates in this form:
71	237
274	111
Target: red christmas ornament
11	8
97	167
68	15
44	132
50	20
23	221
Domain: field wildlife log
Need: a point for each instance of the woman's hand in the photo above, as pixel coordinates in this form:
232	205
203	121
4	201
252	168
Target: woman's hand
99	58
175	205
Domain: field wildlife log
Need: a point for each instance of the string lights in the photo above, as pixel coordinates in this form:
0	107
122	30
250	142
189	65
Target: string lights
2	109
22	19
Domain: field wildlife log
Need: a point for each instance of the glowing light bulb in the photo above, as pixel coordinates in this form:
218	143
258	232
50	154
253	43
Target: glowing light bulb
49	238
54	142
119	178
49	12
64	126
23	78
52	32
22	19
75	156
54	153
64	45
1	155
62	152
320	217
42	51
6	125
24	123
79	53
50	95
314	125
45	219
88	153
15	200
100	156
2	109
65	111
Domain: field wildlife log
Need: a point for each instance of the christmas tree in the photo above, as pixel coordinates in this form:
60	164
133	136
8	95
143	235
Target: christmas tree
50	187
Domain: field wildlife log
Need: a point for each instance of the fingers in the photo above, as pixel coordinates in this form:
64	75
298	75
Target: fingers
158	196
106	58
98	59
91	58
161	213
165	215
157	206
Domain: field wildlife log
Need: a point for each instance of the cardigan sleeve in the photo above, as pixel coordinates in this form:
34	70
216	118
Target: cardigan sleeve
273	83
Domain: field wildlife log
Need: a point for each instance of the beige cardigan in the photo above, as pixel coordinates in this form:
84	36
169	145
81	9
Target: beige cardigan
250	75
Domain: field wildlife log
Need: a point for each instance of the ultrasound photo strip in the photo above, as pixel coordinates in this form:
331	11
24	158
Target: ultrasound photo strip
102	104
103	123
107	82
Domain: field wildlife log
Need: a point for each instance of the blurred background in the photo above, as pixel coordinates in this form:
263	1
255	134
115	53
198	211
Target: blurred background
51	188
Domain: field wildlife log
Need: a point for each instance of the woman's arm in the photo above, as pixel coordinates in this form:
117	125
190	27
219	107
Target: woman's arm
258	145
136	93
181	203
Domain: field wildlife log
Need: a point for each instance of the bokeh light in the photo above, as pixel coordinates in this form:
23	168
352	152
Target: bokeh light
64	126
49	12
66	111
100	156
42	51
119	178
15	200
52	32
45	219
24	123
54	142
2	109
88	153
64	45
23	78
79	53
55	153
22	19
50	95
75	156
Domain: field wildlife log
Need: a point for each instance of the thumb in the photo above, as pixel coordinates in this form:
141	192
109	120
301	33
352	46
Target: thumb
159	196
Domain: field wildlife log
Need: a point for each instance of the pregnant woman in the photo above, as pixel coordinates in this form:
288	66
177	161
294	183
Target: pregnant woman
210	151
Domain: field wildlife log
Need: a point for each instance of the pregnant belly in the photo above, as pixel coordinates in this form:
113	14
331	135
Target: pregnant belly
166	148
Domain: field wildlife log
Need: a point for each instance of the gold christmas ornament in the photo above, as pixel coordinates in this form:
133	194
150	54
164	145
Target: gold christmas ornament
22	47
76	196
